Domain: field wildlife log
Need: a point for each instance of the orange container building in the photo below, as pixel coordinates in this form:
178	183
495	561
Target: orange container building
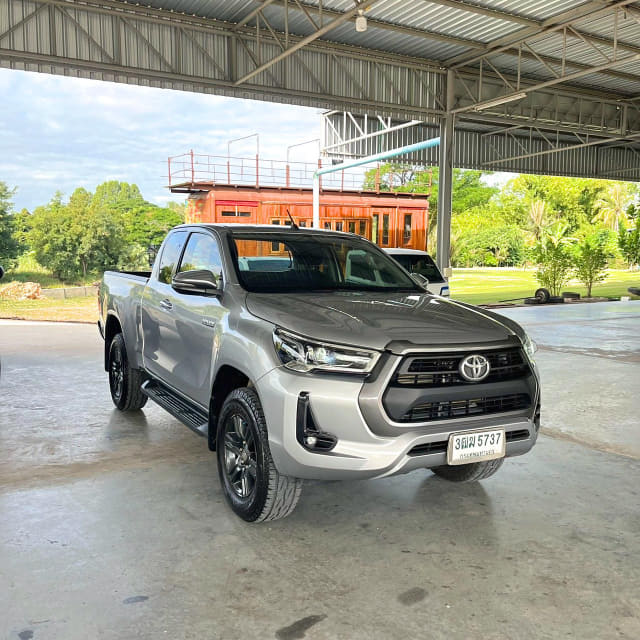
215	195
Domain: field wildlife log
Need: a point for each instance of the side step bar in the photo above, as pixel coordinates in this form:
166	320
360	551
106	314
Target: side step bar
178	407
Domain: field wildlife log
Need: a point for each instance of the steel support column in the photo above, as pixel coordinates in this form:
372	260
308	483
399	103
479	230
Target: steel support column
445	180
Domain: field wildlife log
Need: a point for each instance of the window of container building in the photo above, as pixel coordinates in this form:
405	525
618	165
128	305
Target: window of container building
385	228
236	213
275	246
407	228
352	227
363	228
338	226
374	228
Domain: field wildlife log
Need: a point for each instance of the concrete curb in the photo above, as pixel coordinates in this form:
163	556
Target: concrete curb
70	292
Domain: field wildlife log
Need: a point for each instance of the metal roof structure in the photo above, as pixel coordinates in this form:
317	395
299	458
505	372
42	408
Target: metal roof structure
532	78
534	85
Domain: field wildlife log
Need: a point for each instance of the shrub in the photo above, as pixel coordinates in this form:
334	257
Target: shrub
590	261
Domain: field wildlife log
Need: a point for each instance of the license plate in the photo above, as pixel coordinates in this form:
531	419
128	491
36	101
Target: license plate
475	446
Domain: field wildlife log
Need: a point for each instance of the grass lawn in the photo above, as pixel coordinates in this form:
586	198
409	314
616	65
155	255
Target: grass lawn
28	270
72	309
485	286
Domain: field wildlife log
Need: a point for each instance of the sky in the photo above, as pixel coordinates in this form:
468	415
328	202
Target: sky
59	133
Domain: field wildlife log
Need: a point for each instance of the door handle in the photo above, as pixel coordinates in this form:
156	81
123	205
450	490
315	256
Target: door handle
166	304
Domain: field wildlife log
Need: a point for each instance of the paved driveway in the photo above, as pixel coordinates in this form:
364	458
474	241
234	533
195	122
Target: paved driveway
114	526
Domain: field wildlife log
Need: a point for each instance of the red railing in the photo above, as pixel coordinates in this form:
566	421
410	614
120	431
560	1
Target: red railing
193	168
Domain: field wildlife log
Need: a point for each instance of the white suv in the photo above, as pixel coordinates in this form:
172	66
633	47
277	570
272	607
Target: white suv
422	264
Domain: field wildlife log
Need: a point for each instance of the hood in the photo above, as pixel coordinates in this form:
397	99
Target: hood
379	321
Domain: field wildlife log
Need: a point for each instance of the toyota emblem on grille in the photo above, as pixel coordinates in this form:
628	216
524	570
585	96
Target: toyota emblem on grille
474	368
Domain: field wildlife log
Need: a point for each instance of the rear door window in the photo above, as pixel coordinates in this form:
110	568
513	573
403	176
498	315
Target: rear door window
201	252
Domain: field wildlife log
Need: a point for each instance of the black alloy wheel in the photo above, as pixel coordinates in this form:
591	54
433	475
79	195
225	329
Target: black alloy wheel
240	458
125	383
251	484
116	373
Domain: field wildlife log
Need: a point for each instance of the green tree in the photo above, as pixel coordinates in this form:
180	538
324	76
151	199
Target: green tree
115	196
21	225
537	219
590	261
76	239
468	188
612	206
147	225
554	258
53	238
484	237
568	199
629	244
9	247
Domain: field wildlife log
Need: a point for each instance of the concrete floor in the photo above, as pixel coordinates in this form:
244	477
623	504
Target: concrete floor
114	526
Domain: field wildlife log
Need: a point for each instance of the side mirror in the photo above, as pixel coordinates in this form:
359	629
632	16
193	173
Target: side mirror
1	272
418	278
201	281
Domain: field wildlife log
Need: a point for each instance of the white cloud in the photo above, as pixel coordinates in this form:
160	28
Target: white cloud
59	133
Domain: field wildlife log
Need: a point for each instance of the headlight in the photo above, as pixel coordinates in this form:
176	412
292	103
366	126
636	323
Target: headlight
530	346
300	354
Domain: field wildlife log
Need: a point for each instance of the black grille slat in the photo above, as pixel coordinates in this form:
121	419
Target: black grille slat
430	411
441	370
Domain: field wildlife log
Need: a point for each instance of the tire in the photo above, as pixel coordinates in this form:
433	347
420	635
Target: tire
570	295
250	481
556	300
543	294
469	472
125	383
532	300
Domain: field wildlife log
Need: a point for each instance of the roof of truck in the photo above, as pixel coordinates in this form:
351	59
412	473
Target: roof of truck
235	227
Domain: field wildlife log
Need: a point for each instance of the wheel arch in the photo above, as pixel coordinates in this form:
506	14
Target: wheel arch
227	379
111	328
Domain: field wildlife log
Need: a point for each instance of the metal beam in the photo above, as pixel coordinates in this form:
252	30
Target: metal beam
374	134
255	12
347	15
22	22
582	145
553	24
445	181
549	83
486	11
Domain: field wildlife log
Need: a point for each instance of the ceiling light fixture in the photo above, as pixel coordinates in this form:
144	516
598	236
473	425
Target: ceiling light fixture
498	101
361	21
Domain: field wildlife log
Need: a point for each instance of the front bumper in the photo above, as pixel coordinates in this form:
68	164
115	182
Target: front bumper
364	449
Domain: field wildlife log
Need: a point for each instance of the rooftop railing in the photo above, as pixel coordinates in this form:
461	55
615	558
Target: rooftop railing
194	168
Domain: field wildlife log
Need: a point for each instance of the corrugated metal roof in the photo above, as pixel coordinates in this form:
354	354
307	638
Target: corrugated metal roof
394	68
420	28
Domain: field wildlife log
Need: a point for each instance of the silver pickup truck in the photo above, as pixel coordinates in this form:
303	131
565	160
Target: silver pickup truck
301	353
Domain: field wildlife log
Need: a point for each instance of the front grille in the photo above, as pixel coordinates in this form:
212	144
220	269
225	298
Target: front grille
441	446
445	410
441	370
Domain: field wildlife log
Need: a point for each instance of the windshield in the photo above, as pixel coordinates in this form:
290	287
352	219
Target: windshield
285	262
421	264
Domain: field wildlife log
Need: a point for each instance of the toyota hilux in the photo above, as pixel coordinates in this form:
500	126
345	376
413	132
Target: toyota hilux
307	354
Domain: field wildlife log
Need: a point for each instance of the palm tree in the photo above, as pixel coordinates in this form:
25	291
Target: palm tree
611	206
537	211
